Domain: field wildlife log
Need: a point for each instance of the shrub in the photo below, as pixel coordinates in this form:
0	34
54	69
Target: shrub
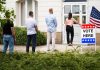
41	39
51	61
21	37
3	21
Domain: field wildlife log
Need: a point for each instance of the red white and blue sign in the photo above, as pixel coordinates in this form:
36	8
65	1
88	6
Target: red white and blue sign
88	34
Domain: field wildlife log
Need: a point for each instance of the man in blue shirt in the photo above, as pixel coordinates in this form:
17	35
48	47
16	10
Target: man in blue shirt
51	29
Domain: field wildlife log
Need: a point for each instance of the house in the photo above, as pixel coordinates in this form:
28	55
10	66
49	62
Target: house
80	8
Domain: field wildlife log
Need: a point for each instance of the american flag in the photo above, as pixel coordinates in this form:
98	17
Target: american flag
95	17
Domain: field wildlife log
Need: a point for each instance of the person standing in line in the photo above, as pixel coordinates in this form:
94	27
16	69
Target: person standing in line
8	36
31	32
69	28
51	23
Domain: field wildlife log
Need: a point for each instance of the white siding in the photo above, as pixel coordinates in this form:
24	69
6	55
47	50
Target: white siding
43	6
10	4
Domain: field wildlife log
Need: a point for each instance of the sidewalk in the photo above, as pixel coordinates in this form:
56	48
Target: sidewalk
58	47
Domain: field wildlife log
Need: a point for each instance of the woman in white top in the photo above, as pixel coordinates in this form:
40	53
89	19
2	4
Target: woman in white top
69	28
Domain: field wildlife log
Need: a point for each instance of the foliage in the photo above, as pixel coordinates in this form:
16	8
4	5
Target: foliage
51	61
5	13
2	8
21	36
41	39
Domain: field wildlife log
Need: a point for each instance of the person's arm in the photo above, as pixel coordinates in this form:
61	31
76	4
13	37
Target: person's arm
35	25
13	32
12	29
46	21
1	31
55	21
36	28
65	21
76	22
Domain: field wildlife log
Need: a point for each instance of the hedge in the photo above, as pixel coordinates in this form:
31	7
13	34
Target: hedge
51	61
21	36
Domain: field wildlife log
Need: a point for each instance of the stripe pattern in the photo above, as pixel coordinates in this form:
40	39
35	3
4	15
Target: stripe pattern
95	17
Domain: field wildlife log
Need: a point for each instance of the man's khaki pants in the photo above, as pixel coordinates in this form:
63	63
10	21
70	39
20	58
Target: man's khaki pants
51	37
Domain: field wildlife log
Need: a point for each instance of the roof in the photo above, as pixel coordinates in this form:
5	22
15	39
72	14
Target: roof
74	0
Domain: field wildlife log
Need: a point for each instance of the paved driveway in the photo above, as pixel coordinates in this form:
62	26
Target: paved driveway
59	47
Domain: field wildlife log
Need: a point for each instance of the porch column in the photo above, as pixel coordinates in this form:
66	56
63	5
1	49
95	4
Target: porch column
18	14
33	7
26	9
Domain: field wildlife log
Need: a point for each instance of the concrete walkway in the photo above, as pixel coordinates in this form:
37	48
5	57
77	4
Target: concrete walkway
59	47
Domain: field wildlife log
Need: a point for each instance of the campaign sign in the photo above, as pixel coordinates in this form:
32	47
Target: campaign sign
88	34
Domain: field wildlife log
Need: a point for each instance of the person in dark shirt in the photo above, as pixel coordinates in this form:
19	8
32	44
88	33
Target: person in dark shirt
8	37
7	28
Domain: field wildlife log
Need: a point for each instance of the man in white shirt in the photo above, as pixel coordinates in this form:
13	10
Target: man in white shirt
31	32
51	29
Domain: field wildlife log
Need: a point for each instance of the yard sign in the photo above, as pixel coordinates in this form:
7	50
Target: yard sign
88	34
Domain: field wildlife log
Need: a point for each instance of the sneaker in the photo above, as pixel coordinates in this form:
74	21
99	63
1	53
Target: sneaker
48	49
69	44
54	50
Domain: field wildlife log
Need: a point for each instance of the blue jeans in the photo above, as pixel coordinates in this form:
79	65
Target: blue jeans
8	41
29	38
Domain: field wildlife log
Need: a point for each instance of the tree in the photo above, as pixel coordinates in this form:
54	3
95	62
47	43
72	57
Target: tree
2	7
4	13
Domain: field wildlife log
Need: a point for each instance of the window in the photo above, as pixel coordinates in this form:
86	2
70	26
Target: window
67	9
83	9
75	9
84	19
78	11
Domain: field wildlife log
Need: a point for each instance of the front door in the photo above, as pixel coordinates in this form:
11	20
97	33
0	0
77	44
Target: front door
78	9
